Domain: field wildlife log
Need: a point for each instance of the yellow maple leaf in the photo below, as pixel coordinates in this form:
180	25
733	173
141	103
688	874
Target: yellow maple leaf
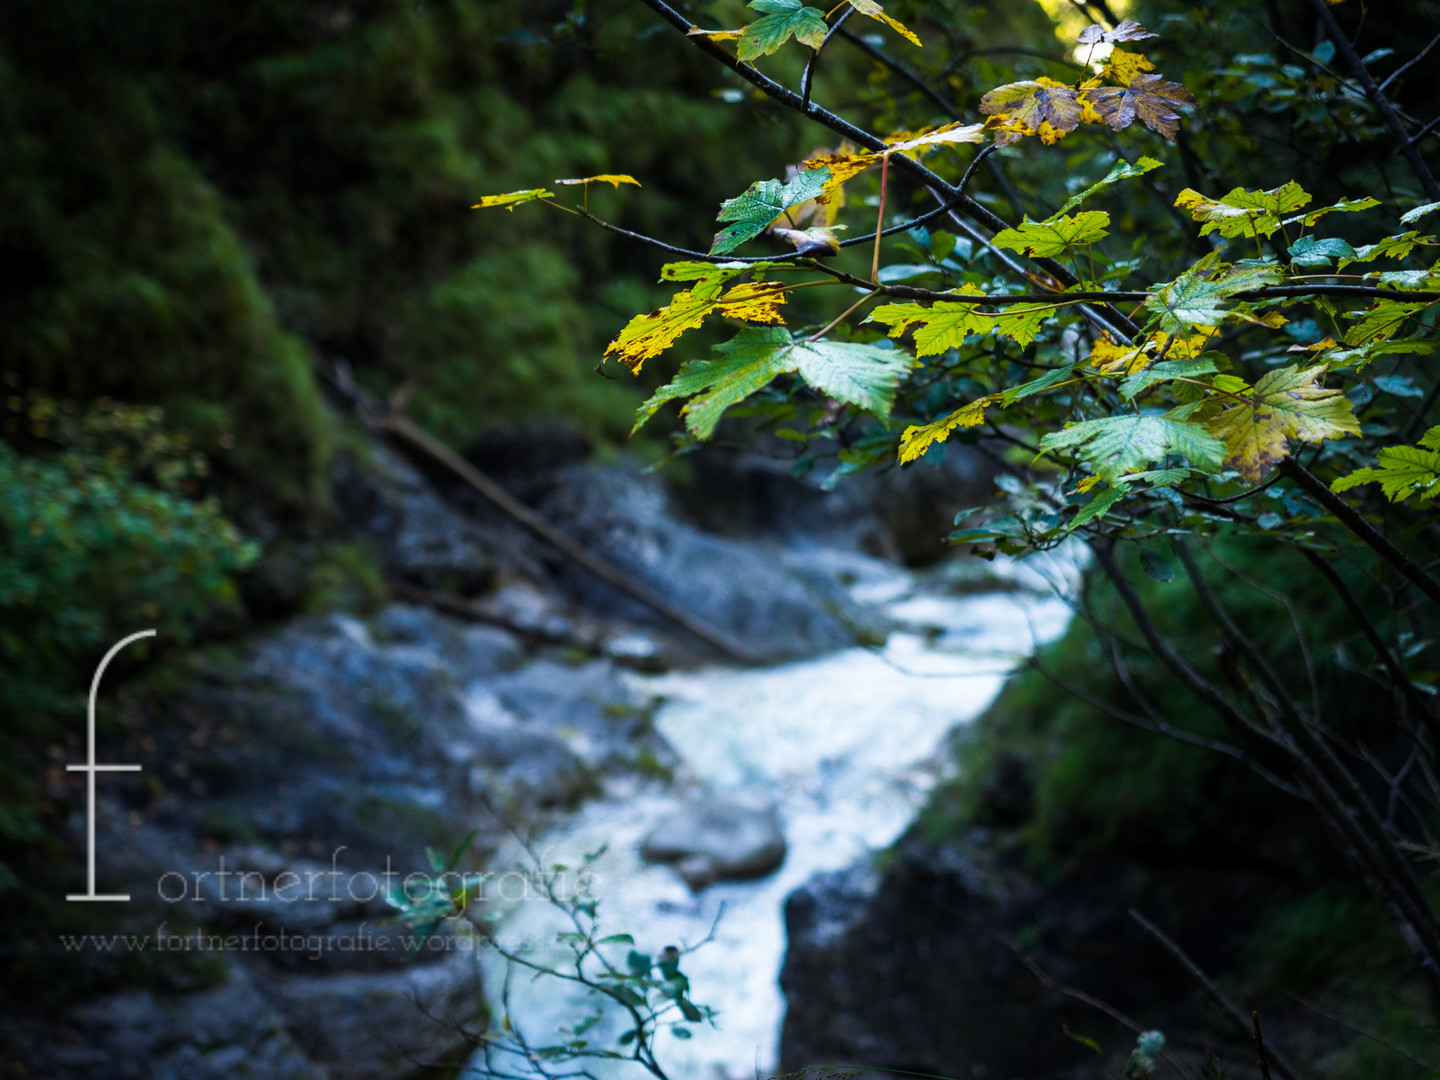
512	199
875	11
1123	66
754	301
918	438
1112	357
843	165
613	179
650	335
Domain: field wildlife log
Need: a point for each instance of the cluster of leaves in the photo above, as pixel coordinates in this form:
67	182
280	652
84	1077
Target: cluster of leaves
101	532
1131	406
648	993
1168	407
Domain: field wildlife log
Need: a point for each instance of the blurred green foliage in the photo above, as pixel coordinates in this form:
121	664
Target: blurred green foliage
101	534
200	202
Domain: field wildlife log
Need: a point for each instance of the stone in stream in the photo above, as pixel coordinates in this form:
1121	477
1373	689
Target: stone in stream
717	839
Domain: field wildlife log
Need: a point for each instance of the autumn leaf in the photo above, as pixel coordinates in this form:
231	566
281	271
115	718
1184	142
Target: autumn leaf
761	204
1287	403
820	240
613	179
1122	66
513	199
1402	471
918	438
1241	212
1147	98
1041	107
1125	30
783	19
650	335
949	134
1116	445
875	11
1121	170
1054	236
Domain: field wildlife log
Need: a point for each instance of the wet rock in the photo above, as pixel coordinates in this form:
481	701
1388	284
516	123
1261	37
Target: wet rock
228	1032
909	969
527	768
716	839
420	537
589	707
369	1026
772	605
903	515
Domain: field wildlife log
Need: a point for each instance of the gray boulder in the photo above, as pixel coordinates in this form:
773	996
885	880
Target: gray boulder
767	602
420	537
716	839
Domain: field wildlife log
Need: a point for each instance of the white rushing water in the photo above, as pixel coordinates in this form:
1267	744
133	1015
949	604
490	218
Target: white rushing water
845	745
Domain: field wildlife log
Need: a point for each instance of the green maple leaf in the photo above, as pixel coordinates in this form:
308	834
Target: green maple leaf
1148	98
1021	322
940	327
1287	403
860	375
1055	235
1402	471
1308	251
1117	445
761	204
1164	371
1347	206
1396	247
1121	170
1197	297
1383	320
783	20
745	364
1241	212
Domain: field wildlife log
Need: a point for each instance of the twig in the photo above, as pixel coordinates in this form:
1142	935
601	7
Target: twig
1095	1003
1213	992
1377	95
815	57
1409	63
1362	1031
1263	1061
1351	519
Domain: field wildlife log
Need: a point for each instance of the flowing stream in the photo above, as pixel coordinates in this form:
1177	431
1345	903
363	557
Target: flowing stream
845	745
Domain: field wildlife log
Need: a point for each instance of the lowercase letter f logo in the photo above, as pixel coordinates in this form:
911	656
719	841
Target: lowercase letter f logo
90	768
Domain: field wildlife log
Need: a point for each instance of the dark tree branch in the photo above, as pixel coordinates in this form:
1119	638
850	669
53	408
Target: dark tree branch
1377	95
1351	519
